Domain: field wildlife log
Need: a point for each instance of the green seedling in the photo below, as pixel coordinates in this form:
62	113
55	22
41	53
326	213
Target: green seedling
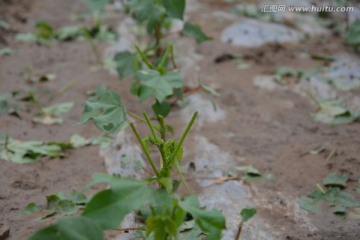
246	215
155	79
163	211
153	68
157	16
165	214
338	200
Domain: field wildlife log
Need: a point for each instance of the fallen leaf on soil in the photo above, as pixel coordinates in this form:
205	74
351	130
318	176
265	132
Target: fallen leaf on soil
334	112
49	115
26	151
333	180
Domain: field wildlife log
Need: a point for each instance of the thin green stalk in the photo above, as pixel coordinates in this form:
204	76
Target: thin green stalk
158	37
187	129
172	157
141	119
182	177
164	57
93	47
172	56
160	145
144	58
136	116
147	154
35	101
162	129
150	126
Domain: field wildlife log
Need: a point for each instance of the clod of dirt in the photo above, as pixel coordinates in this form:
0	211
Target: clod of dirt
4	232
254	33
224	58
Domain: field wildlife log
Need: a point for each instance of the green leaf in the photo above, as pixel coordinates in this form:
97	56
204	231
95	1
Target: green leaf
3	24
308	204
161	86
44	30
60	203
78	141
170	147
125	64
107	111
343	198
103	141
74	228
353	34
187	225
209	90
333	180
104	33
194	31
4	102
27	152
58	109
56	204
162	109
26	37
69	33
109	207
6	51
193	234
250	171
284	71
161	226
210	222
340	210
145	10
247	214
30	209
175	8
334	112
49	115
96	5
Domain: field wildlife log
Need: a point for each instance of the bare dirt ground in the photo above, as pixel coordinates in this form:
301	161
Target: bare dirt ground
270	130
